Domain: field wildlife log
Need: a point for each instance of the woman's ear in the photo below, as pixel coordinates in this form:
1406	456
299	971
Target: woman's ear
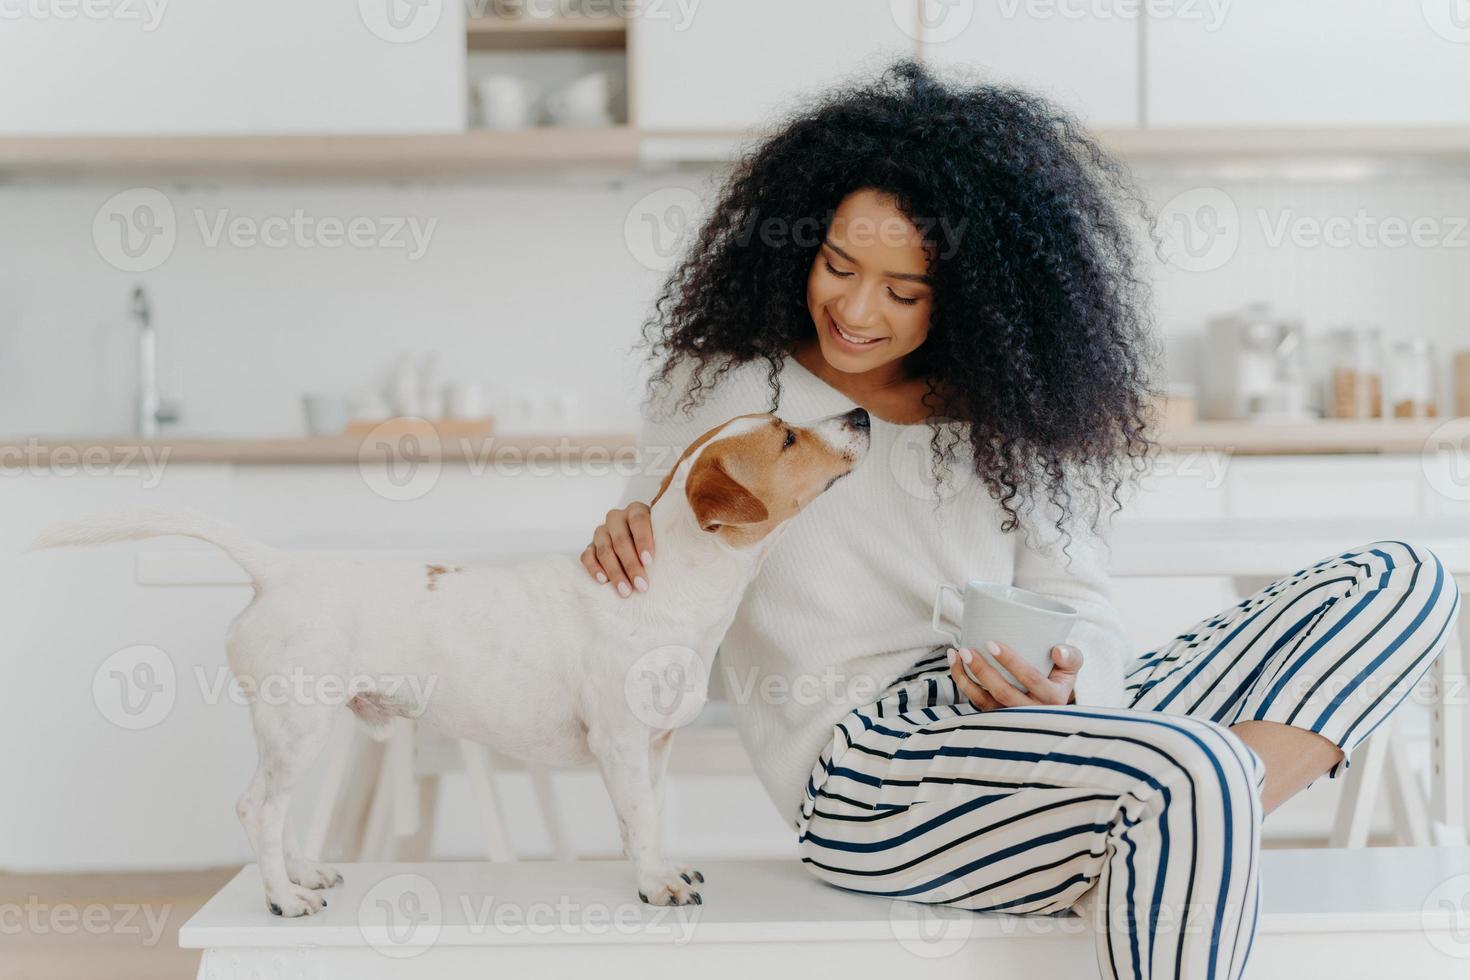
718	500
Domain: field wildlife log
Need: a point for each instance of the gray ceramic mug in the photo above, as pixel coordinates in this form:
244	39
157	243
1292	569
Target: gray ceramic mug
1027	622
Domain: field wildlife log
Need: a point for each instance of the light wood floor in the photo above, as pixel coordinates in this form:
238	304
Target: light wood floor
114	926
135	919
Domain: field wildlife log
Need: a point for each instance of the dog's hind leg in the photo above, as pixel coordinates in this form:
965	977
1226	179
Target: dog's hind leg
288	737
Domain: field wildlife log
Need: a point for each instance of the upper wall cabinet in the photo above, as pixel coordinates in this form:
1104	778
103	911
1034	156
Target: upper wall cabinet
1084	56
268	66
741	64
1309	63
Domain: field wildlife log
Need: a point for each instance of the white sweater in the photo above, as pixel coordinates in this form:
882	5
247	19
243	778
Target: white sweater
841	606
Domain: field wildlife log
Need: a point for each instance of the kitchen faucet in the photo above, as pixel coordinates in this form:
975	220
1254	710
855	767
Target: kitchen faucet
152	410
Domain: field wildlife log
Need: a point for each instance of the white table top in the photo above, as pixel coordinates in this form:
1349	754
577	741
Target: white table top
529	903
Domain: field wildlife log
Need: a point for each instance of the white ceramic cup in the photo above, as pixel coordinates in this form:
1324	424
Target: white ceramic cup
1028	623
326	415
582	102
505	102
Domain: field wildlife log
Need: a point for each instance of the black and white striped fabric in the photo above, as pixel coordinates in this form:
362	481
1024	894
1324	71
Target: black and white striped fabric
1145	818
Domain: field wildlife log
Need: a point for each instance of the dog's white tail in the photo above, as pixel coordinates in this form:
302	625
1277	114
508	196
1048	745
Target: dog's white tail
253	556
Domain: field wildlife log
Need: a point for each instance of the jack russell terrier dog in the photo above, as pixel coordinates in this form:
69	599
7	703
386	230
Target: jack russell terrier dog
532	660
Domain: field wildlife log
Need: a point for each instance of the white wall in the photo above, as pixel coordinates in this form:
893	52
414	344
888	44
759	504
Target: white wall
532	284
526	283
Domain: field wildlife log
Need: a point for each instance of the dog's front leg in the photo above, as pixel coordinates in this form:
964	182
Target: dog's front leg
624	760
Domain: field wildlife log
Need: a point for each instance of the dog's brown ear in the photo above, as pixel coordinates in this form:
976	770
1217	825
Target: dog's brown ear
718	500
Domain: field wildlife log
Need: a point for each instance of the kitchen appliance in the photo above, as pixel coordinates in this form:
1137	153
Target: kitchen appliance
1253	367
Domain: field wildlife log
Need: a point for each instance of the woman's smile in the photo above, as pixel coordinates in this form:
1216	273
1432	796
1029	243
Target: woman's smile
849	339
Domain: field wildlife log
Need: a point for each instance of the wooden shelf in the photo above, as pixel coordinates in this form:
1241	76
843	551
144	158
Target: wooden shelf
1245	438
421	154
21	452
532	33
1306	142
1318	436
482	152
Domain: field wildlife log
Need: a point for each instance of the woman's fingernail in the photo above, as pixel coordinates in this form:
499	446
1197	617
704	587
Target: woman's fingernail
950	655
640	583
965	654
623	590
993	647
647	560
602	578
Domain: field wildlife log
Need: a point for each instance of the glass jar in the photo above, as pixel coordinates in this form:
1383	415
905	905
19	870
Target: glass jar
1354	378
1411	385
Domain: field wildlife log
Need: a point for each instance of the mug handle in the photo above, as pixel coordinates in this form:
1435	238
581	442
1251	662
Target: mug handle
934	619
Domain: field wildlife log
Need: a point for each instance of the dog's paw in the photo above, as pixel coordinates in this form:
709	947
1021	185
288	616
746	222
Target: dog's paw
309	874
673	886
293	903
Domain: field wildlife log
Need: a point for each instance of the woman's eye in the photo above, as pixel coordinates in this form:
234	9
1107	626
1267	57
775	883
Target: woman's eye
905	300
839	275
790	438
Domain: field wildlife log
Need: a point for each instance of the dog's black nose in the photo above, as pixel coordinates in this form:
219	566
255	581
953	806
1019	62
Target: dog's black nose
859	418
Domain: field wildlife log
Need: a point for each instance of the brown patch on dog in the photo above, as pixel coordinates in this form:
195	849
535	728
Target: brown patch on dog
436	570
717	500
693	446
743	485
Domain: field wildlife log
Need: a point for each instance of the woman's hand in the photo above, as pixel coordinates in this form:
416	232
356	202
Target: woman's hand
622	549
994	691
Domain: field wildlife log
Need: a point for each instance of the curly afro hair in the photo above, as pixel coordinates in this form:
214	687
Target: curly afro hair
1040	342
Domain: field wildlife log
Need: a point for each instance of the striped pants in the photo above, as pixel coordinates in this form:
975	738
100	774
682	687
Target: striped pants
1146	818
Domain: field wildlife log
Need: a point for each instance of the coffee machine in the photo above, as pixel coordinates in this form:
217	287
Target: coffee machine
1253	367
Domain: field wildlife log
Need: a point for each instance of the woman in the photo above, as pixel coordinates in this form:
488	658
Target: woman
955	261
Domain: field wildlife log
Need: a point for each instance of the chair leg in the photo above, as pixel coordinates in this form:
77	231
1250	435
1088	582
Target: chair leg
1405	794
419	846
1360	791
1447	733
482	780
561	847
339	755
339	823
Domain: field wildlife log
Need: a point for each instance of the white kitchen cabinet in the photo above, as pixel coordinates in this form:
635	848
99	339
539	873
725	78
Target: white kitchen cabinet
1307	63
1085	57
266	67
740	64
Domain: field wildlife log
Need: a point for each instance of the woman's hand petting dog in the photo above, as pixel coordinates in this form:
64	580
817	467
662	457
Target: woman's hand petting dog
622	549
994	691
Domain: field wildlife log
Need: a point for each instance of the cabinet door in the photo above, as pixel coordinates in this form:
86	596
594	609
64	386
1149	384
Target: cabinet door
1085	57
1309	63
269	66
740	64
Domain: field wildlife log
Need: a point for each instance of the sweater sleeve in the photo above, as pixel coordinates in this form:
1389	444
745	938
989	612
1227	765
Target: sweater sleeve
1081	582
